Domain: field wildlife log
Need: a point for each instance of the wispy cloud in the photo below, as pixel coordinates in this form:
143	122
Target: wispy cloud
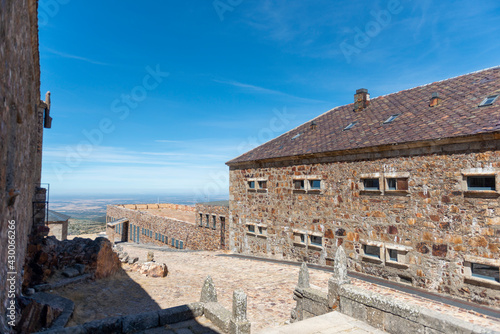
262	90
70	56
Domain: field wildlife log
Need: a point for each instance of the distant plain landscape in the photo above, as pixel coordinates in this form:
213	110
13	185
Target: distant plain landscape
88	214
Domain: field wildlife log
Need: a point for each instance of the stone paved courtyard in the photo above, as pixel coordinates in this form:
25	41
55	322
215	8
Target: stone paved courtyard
269	287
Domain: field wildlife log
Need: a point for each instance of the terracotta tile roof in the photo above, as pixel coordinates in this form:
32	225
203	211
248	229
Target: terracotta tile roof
457	115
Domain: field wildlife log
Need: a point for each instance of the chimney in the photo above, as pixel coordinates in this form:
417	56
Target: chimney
435	100
361	99
313	125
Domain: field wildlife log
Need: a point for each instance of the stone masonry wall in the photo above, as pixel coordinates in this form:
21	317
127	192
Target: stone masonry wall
20	137
193	236
436	226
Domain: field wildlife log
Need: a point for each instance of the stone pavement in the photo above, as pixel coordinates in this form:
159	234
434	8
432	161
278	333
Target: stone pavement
199	325
269	287
330	323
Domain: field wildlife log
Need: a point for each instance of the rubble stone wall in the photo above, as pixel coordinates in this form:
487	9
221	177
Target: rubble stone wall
164	229
436	227
20	134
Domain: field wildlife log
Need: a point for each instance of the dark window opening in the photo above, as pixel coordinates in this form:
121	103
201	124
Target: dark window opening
393	255
316	240
371	184
251	184
481	183
484	271
263	184
251	228
298	184
315	184
372	251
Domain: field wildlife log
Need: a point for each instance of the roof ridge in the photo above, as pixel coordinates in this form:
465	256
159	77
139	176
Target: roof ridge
435	82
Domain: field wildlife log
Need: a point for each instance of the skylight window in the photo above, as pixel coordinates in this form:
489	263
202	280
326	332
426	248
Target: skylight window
350	126
297	136
488	101
391	119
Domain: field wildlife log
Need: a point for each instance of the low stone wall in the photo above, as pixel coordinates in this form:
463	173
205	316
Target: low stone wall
145	227
379	311
234	322
178	207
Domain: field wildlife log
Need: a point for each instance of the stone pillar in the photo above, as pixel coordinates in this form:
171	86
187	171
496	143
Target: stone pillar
239	323
208	292
338	279
298	293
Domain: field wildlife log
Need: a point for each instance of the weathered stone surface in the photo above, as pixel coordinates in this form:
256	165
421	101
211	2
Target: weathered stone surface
151	256
435	211
180	313
133	260
70	272
201	236
218	315
153	269
239	305
208	291
303	277
140	321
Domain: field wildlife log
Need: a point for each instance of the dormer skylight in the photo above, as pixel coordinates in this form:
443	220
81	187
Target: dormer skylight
350	126
391	119
488	101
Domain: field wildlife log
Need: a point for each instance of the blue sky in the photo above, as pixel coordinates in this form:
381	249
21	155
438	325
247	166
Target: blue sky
153	97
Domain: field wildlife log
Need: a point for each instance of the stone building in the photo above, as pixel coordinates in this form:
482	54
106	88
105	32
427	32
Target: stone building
22	119
408	183
200	227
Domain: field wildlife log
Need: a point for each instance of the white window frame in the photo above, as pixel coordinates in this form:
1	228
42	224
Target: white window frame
248	225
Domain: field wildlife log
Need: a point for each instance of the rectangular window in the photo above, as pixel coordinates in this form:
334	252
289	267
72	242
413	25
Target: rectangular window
162	238
214	218
251	184
488	101
299	238
315	184
262	184
481	183
298	184
485	271
251	228
208	221
371	184
316	240
201	219
395	184
393	255
373	251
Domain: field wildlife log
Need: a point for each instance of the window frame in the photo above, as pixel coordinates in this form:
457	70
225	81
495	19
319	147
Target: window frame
480	172
477	279
483	102
371	176
370	257
401	255
396	176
